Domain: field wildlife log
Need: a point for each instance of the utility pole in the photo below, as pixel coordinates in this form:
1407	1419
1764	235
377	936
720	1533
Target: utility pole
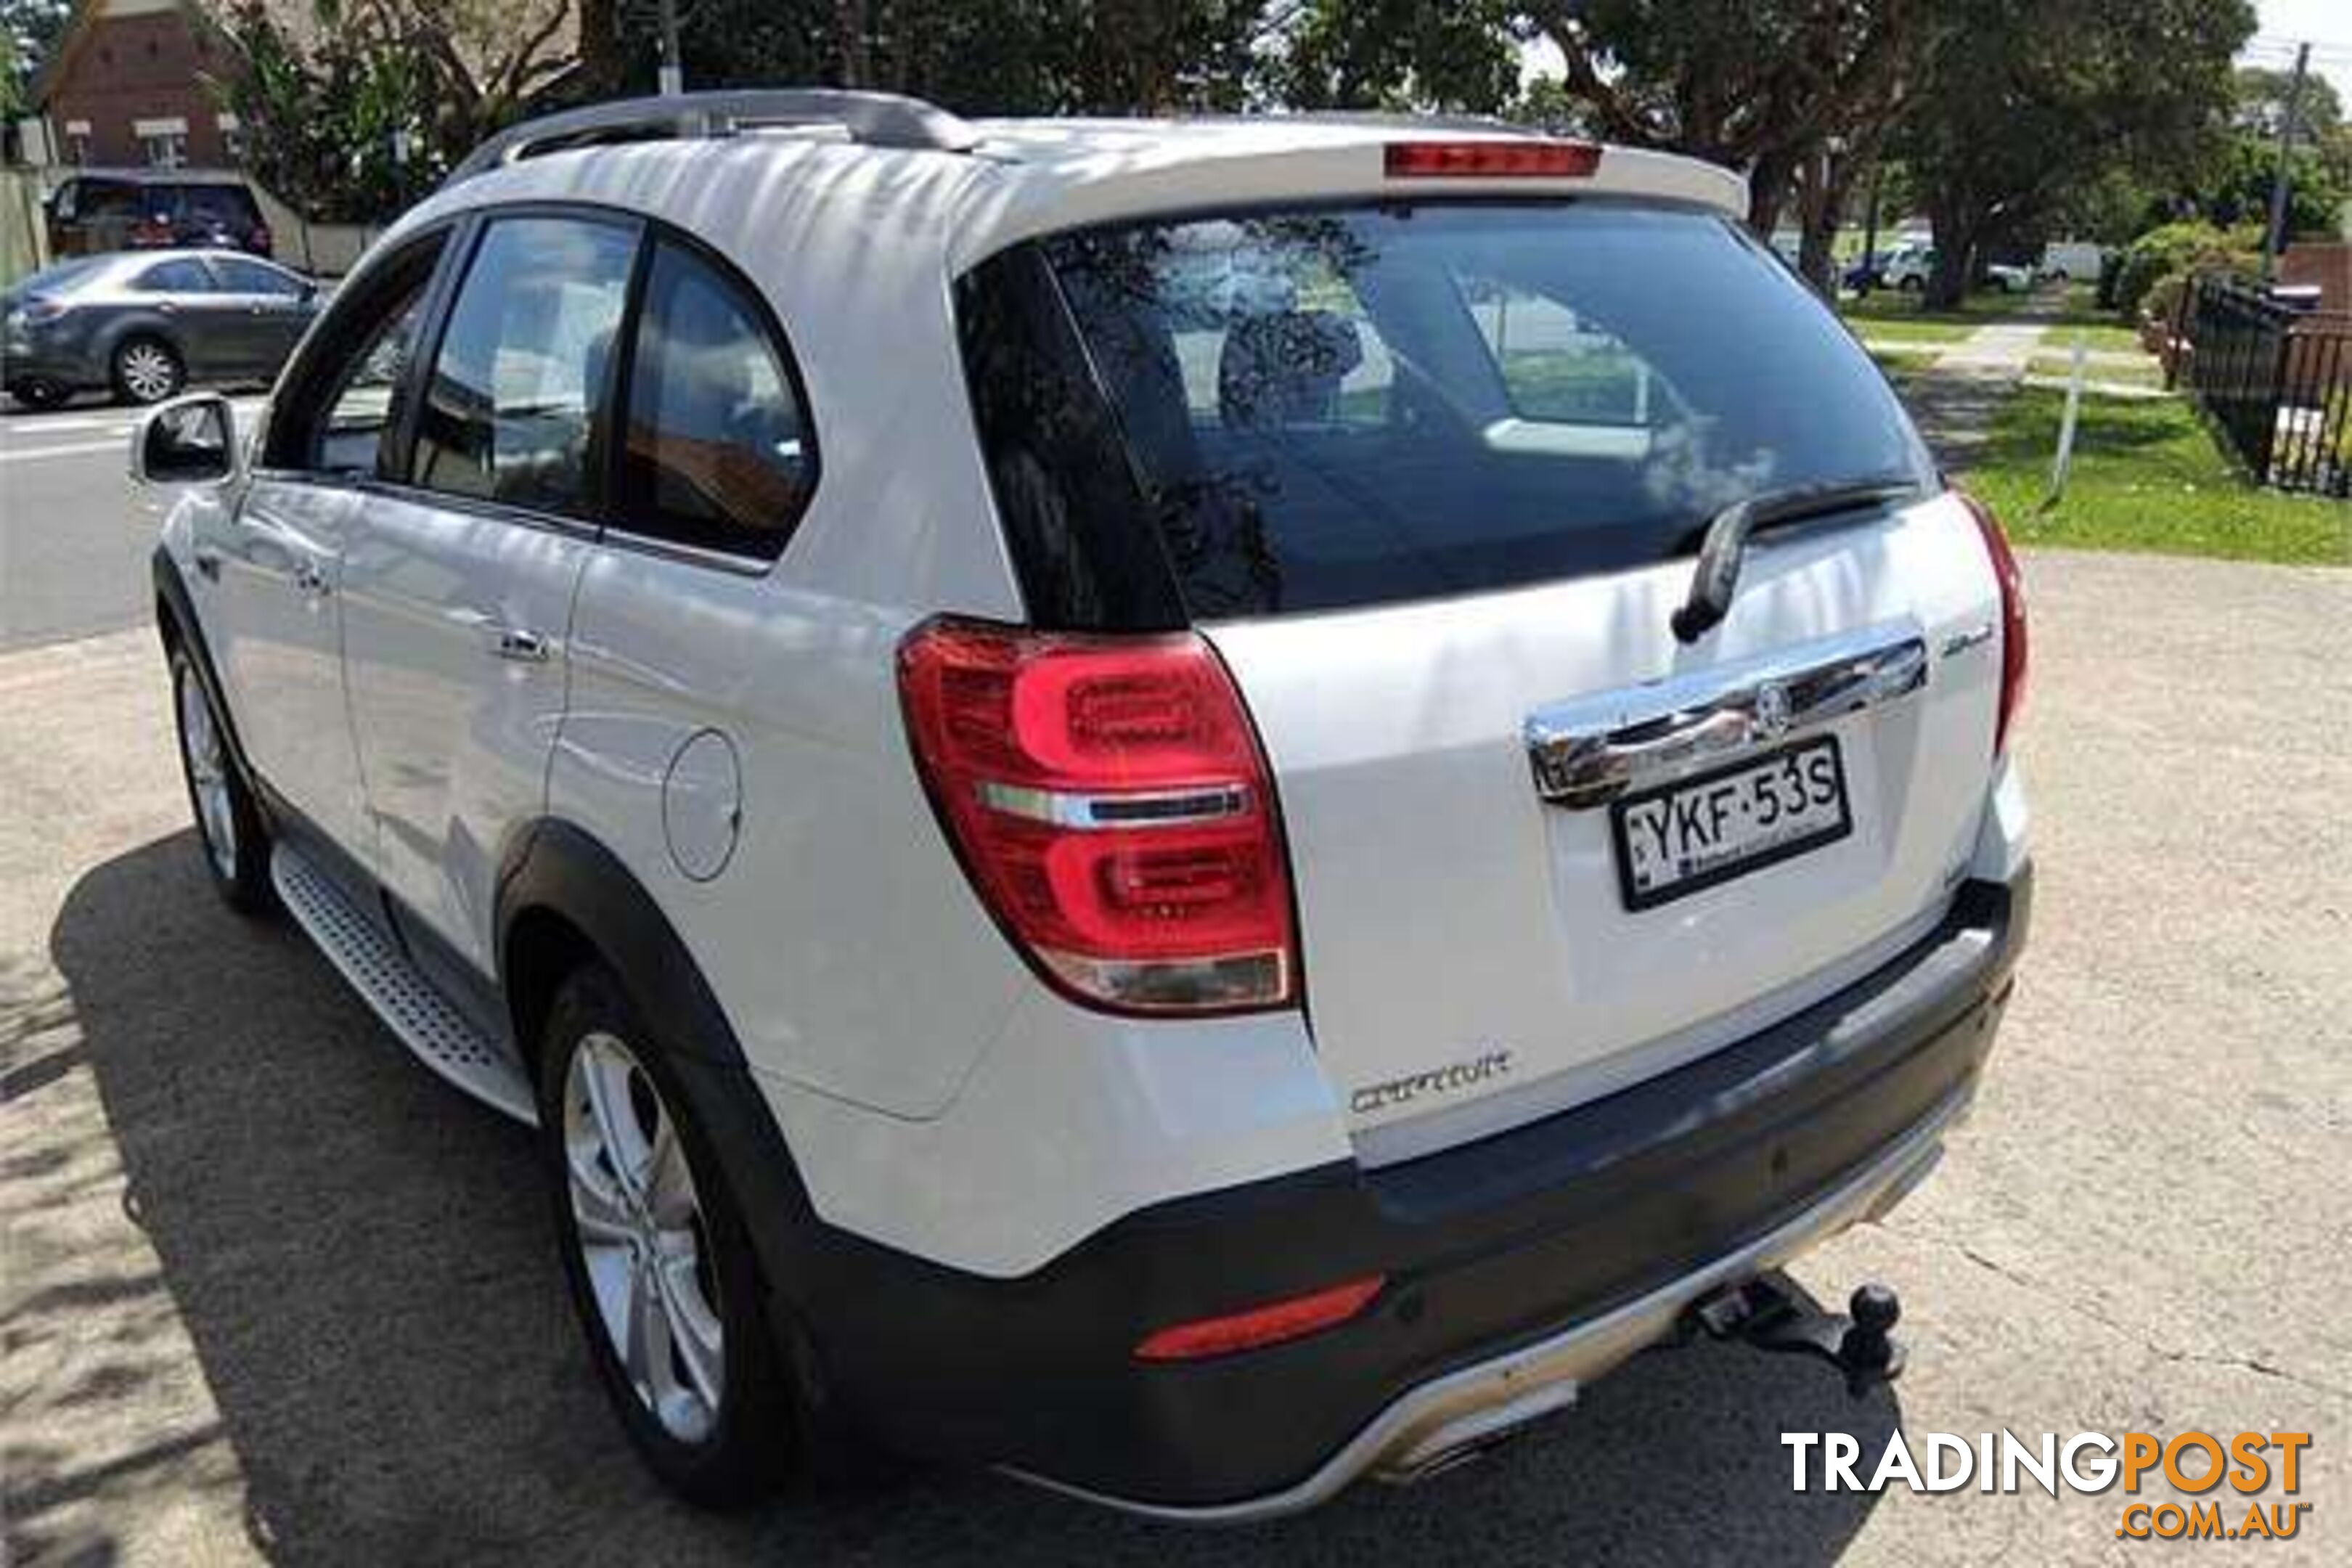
673	74
2274	237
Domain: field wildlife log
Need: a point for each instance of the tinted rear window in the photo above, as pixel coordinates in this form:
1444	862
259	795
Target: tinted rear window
220	203
1339	408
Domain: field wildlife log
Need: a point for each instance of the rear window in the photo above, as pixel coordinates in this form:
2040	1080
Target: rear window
1339	408
219	204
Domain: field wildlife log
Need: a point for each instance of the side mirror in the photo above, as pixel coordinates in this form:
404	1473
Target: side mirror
191	440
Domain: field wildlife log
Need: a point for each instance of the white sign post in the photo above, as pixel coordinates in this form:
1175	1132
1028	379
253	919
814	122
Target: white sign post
2067	427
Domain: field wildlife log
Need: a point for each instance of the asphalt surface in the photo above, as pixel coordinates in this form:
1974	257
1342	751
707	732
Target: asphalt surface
74	533
271	1292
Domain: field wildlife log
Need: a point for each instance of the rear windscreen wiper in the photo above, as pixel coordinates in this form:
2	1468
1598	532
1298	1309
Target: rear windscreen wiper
1726	545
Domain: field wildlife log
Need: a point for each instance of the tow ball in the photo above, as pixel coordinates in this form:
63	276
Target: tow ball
1767	1313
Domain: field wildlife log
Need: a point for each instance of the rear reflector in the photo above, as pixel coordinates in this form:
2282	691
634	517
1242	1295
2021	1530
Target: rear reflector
1261	1326
2013	640
1108	800
1506	160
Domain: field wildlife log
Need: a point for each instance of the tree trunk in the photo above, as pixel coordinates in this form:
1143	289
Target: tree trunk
1768	190
851	30
1820	197
1956	225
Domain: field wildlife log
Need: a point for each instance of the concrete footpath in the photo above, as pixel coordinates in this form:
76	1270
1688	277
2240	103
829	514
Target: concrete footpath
271	1293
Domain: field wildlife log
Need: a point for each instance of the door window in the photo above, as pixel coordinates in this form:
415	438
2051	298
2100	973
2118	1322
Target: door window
715	451
366	404
343	400
510	409
182	276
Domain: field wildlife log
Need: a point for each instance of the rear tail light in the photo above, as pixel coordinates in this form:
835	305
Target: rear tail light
1526	159
1108	802
260	239
2013	641
1259	1326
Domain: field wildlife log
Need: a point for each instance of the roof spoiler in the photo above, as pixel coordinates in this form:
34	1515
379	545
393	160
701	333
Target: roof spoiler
872	119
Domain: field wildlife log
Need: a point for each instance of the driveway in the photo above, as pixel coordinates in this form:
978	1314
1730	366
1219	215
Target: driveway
271	1292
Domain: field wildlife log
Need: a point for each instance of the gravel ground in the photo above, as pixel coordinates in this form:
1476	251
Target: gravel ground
270	1291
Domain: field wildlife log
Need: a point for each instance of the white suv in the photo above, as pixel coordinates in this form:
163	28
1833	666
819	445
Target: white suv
1113	789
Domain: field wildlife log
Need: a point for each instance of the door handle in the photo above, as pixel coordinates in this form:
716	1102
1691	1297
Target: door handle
309	579
208	564
521	645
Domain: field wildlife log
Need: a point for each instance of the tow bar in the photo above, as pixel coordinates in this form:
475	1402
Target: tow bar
1767	1313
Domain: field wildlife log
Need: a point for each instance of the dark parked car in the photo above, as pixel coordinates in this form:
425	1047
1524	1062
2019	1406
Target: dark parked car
144	323
98	211
1864	273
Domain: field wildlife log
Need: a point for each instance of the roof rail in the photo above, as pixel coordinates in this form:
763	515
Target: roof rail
873	119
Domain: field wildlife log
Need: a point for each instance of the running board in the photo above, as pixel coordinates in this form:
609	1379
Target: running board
410	1005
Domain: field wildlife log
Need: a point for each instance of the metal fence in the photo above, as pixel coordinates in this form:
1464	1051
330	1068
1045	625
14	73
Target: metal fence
2275	381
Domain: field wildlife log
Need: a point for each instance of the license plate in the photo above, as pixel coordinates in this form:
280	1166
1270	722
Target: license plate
1679	839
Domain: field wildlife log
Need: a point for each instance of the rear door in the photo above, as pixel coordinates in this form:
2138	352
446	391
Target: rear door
1435	494
460	580
274	309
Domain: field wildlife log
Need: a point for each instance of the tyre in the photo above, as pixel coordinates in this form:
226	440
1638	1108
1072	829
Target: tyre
1911	284
146	370
38	394
659	1264
228	822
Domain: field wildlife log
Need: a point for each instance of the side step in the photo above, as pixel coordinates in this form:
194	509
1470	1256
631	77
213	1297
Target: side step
416	1012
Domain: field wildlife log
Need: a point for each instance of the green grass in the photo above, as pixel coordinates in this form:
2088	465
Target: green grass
1893	358
2147	476
2145	373
2101	332
1573	386
1912	328
1888	311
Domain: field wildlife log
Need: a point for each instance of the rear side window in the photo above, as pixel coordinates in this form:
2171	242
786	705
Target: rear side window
509	407
1337	408
715	448
242	277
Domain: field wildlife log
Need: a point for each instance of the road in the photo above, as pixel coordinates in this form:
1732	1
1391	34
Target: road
74	535
272	1294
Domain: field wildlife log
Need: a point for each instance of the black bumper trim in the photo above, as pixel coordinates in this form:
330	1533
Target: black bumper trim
1488	1249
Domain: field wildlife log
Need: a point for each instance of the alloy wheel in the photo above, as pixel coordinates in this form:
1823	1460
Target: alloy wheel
149	372
207	764
639	1224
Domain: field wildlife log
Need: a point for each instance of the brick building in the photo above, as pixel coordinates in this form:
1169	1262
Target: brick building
129	85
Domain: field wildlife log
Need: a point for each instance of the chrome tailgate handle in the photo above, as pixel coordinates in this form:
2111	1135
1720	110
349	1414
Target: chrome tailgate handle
1587	752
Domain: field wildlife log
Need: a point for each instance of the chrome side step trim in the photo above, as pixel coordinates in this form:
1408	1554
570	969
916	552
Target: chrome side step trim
411	1006
1425	1429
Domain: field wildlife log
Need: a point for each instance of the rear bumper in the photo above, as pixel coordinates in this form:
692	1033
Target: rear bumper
1516	1266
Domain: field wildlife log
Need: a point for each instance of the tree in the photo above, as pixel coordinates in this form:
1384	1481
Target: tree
1766	86
1035	57
1394	54
29	30
324	115
2023	104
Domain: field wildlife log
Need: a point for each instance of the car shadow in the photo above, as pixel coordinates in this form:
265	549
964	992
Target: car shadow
365	1267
